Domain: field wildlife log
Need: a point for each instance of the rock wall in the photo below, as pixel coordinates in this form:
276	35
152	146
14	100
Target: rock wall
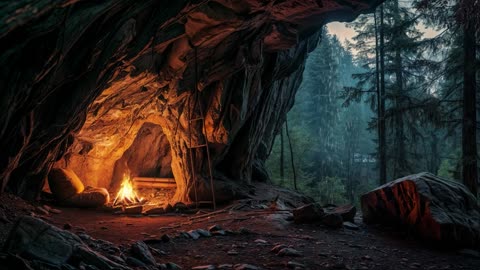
148	156
80	78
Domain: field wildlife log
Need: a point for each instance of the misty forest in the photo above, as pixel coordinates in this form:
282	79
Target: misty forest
239	134
384	105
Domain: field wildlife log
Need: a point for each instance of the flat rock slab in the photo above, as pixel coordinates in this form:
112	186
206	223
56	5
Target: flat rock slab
437	209
347	211
33	238
331	216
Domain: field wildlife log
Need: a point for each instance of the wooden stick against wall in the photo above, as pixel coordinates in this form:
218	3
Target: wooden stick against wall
151	182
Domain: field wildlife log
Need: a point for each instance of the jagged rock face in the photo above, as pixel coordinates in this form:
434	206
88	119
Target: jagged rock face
437	209
79	80
148	156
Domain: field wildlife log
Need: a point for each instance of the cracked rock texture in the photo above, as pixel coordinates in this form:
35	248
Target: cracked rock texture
437	209
80	79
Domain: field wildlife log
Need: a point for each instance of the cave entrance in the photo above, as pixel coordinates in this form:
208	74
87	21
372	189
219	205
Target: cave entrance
132	162
146	166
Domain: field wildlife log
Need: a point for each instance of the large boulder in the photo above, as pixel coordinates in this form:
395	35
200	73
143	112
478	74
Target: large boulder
69	190
36	240
437	209
64	183
33	238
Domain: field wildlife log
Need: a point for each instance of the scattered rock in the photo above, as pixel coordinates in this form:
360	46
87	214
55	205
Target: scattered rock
308	213
184	235
204	267
347	211
215	228
245	266
55	211
41	211
261	242
141	251
232	252
135	262
436	208
332	220
219	233
295	265
116	259
133	210
52	210
277	248
84	236
204	233
290	252
351	226
91	257
172	266
67	226
415	265
158	252
193	234
155	211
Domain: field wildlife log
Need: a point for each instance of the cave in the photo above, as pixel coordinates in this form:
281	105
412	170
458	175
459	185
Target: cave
137	135
89	79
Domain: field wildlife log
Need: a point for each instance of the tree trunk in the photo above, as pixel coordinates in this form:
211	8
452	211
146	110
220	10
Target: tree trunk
469	143
282	171
400	166
381	109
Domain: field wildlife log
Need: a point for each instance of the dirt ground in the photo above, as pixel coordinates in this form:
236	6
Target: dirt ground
369	247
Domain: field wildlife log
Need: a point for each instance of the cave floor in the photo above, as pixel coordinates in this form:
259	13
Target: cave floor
321	248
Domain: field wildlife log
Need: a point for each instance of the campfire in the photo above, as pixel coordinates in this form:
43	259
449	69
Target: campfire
127	195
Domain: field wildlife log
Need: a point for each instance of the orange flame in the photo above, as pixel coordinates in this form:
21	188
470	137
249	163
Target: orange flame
126	195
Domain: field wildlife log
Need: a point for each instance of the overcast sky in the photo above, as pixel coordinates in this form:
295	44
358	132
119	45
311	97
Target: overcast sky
344	33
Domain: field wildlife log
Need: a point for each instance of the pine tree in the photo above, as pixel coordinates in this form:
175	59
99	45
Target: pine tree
402	70
460	23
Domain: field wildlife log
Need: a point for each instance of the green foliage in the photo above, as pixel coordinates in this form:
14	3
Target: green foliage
446	169
331	190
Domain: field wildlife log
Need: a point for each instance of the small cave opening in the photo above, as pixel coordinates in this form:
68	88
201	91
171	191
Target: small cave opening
148	164
134	166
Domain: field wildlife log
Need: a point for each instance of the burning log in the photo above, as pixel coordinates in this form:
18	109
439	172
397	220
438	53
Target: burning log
126	195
